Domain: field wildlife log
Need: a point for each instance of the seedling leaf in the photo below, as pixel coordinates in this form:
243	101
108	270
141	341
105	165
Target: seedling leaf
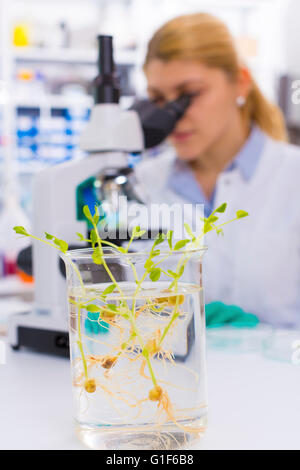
221	208
93	237
112	307
148	264
172	273
61	244
48	236
207	226
21	231
80	236
88	214
169	238
155	274
240	214
155	253
92	308
189	231
212	218
180	273
108	290
181	243
159	239
137	232
96	215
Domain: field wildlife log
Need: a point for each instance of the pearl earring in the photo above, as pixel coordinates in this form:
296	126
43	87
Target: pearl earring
240	101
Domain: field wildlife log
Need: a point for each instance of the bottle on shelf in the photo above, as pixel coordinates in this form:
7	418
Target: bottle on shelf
21	35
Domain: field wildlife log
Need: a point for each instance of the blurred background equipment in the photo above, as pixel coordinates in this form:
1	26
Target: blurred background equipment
60	194
48	59
289	84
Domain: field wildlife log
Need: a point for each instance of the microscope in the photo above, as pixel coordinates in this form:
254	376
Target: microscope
60	193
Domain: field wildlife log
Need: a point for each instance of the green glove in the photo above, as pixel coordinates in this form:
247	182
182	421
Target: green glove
218	314
93	325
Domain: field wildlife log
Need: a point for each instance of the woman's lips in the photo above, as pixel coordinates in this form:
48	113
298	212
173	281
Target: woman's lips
181	136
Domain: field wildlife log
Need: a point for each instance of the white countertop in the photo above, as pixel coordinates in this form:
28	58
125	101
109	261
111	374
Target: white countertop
16	296
254	401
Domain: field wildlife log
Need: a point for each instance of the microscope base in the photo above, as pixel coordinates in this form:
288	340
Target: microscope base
39	333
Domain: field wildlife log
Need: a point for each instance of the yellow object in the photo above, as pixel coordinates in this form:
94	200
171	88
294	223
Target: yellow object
155	393
90	385
25	74
21	36
176	298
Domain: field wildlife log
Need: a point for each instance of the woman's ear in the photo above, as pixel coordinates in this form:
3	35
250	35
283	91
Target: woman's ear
244	83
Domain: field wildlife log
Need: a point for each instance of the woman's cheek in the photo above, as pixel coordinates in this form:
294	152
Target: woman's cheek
202	109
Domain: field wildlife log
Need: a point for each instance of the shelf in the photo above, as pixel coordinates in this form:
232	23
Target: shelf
62	102
54	102
30	168
69	56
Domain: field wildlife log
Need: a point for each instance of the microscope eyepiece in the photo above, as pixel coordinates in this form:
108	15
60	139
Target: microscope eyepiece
105	55
158	122
178	107
106	88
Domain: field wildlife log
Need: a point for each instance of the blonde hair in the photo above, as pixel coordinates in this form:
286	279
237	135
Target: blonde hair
204	38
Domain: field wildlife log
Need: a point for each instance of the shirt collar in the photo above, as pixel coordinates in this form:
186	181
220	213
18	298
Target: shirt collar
181	179
247	158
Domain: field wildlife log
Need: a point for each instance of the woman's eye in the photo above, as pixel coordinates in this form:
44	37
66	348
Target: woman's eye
158	101
195	94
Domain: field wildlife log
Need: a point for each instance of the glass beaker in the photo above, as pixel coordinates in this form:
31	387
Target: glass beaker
137	346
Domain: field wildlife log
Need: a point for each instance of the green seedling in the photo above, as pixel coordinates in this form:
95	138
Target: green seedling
121	313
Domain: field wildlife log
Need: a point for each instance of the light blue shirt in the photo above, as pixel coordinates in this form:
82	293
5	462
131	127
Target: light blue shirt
182	180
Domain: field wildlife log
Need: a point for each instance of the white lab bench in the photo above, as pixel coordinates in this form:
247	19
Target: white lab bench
15	297
254	402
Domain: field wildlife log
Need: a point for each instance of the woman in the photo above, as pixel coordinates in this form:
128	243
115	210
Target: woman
229	146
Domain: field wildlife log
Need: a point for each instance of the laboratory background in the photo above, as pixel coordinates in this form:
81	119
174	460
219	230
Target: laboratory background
48	60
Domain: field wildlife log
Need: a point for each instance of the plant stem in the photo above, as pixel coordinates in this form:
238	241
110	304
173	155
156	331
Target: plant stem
132	315
225	223
173	318
79	342
154	381
145	351
99	241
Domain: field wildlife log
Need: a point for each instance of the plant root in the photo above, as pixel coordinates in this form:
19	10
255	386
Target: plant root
106	361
